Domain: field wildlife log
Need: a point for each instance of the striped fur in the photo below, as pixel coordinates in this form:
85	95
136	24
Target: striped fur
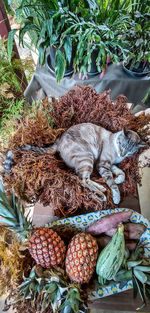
84	145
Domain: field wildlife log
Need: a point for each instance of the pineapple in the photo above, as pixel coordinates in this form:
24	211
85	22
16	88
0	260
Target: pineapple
81	258
44	244
46	247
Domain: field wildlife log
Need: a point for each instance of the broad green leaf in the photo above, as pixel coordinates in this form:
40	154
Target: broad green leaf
140	276
123	275
131	264
143	268
68	48
26	29
60	65
6	5
41	53
10	43
50	26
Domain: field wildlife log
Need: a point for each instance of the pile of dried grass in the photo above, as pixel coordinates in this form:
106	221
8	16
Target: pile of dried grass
47	178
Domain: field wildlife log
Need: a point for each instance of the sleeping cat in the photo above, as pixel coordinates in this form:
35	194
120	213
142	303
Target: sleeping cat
86	144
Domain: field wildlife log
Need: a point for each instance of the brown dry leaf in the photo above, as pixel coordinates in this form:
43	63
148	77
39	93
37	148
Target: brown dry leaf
46	177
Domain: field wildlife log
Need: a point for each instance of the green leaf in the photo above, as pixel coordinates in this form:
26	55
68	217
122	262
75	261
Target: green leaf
41	53
25	29
50	26
52	287
68	48
4	212
131	264
143	268
92	4
67	309
141	292
140	276
9	222
60	65
123	275
6	5
10	43
32	274
135	288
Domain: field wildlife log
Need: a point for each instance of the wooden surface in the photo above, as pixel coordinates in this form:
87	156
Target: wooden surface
119	302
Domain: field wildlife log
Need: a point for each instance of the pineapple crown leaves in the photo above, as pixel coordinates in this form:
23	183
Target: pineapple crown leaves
12	213
50	290
53	293
72	300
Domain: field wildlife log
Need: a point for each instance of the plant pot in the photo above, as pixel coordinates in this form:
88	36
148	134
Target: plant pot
142	69
51	62
94	70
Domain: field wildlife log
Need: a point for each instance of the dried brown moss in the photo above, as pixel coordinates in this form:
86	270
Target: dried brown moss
47	178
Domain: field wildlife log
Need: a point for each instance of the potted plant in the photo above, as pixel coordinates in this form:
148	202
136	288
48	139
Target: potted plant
137	37
89	28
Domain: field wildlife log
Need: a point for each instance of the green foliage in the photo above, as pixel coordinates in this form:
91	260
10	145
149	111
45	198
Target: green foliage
85	25
114	27
12	214
12	101
50	288
137	34
137	269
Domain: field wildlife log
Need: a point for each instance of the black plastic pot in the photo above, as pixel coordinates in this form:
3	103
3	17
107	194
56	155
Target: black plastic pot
94	70
141	70
51	62
69	69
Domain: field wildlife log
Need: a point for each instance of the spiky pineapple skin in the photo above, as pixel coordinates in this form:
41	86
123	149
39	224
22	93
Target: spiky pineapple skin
81	258
46	247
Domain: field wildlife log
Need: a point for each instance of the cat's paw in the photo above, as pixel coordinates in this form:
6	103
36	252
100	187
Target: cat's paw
95	187
120	175
120	179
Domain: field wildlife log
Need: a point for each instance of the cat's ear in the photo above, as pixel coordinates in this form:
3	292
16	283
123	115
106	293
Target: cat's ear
121	132
130	134
127	133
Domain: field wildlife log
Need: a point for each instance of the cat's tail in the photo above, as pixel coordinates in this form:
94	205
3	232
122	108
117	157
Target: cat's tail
9	156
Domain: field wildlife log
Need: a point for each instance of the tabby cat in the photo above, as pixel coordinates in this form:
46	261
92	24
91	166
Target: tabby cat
86	144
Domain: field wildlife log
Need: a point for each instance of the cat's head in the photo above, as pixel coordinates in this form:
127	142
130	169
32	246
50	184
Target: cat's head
129	142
